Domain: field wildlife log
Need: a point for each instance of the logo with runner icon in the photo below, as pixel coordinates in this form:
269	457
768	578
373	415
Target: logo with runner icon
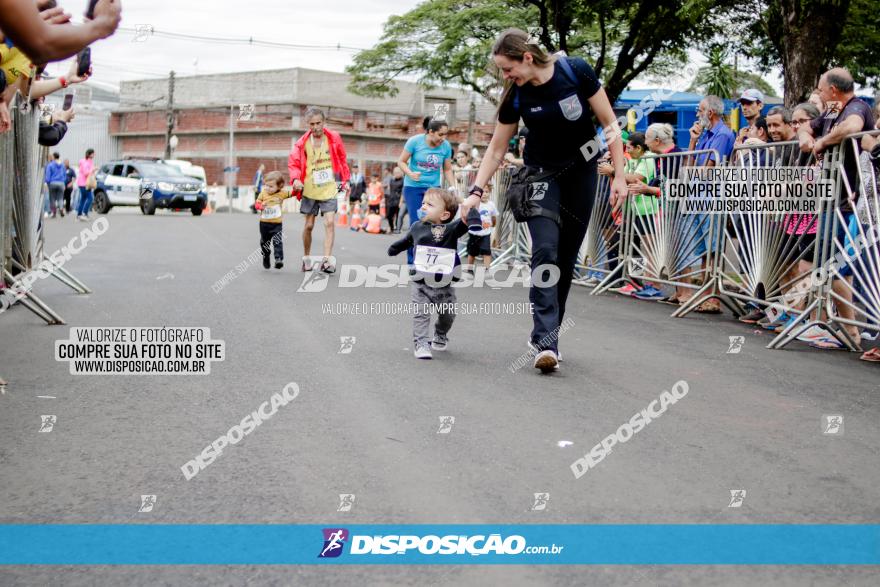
147	503
540	502
832	424
334	541
737	497
736	344
313	282
47	423
346	502
539	190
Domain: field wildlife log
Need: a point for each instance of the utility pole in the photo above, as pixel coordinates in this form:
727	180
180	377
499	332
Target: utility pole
472	118
169	112
230	177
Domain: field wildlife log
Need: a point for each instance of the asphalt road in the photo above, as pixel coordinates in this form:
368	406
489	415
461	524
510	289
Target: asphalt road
366	422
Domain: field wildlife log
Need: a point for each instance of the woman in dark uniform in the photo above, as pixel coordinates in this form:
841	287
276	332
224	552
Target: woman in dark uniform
556	97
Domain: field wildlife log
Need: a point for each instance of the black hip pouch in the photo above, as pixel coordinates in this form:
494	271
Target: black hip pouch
533	193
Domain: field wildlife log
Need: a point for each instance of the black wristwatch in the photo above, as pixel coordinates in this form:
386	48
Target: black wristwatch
475	191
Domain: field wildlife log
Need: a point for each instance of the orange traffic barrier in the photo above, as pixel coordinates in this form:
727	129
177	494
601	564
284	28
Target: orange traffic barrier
356	218
343	215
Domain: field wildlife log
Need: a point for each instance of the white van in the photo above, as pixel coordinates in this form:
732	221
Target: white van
187	168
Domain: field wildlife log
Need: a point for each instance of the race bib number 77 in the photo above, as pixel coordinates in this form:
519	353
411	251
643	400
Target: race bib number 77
434	259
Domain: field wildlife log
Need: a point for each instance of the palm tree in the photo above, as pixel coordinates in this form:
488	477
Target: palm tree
718	77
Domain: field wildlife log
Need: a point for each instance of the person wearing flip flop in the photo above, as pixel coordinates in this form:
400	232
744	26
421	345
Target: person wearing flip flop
556	97
854	115
319	171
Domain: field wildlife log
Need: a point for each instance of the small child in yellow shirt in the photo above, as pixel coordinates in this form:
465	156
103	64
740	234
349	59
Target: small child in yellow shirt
269	205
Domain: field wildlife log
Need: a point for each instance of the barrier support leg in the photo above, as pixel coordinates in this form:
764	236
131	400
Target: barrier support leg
801	325
611	279
36	305
69	278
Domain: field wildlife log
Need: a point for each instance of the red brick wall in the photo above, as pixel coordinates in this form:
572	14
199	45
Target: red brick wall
212	144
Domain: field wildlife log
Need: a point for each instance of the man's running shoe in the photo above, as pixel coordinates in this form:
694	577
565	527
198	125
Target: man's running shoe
649	292
440	342
422	352
327	266
307	264
535	350
547	361
279	264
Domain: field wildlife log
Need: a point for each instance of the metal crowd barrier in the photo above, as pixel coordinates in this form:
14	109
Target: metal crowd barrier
851	297
7	172
766	257
770	261
21	210
511	241
600	260
660	245
818	308
860	295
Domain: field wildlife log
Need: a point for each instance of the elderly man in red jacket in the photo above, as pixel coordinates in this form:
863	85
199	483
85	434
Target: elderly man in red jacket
319	170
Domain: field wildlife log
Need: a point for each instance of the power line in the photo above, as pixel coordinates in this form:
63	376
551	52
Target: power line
237	40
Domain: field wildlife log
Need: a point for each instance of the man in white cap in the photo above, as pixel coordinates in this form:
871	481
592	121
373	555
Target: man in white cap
751	102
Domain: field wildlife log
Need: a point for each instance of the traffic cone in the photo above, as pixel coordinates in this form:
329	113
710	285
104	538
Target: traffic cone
356	218
343	214
207	210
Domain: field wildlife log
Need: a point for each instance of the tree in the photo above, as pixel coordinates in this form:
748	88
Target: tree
447	42
718	77
740	80
859	47
440	42
806	37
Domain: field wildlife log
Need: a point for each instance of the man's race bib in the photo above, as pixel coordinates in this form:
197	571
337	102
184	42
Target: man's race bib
322	176
271	212
434	259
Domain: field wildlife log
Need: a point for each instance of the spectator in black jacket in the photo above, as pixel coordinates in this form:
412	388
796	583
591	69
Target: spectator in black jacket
392	199
69	185
358	185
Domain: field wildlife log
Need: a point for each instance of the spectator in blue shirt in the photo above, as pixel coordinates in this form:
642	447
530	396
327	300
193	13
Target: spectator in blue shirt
56	179
710	132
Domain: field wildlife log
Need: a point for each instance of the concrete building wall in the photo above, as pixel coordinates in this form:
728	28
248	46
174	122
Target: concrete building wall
297	85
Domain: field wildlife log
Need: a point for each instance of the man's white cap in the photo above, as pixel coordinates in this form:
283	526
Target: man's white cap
752	95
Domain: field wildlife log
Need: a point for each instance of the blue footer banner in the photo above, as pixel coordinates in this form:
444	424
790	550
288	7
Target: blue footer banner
625	544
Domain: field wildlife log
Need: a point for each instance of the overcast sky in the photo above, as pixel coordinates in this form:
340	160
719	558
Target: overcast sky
351	23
